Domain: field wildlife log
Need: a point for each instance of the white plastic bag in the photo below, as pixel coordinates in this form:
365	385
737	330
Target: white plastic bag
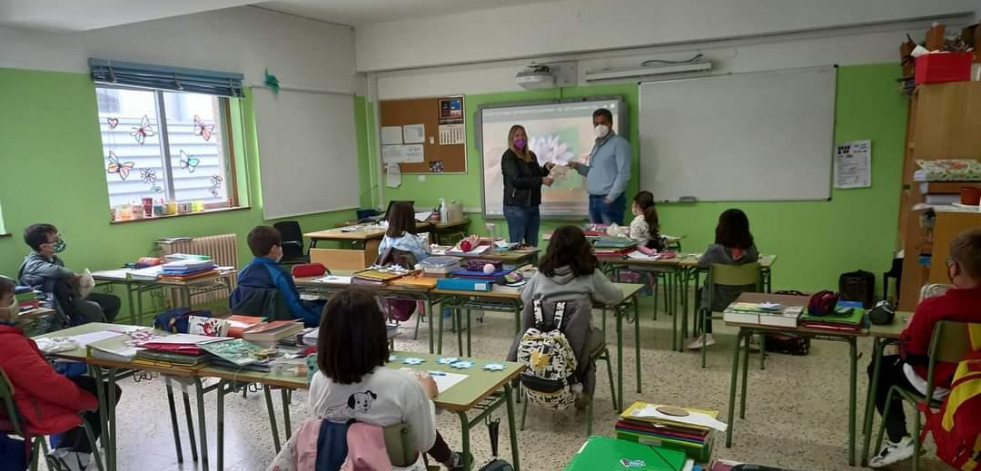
85	284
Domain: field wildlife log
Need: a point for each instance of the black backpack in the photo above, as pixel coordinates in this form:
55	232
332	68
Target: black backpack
857	286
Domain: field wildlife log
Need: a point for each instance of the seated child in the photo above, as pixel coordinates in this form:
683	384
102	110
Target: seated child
265	273
354	383
569	266
43	270
644	229
47	402
733	246
401	233
961	303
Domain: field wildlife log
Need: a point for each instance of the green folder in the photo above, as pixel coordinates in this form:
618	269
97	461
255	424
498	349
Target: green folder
608	454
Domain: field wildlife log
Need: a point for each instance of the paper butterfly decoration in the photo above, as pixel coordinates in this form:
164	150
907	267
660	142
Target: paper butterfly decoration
413	361
629	463
112	122
142	132
202	129
149	176
494	367
216	184
156	188
393	357
462	365
115	167
447	361
189	162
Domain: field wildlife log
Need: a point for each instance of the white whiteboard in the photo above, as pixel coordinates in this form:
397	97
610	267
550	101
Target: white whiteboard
742	137
308	162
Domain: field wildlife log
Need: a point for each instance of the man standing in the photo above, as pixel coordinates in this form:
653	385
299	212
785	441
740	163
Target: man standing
607	171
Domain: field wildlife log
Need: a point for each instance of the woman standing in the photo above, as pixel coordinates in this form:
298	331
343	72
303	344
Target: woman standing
523	180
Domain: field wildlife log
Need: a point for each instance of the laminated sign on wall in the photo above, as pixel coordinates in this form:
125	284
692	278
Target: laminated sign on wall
853	164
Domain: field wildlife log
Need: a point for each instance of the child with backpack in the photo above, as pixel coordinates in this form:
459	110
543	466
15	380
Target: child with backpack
644	229
961	303
733	246
353	382
401	233
566	286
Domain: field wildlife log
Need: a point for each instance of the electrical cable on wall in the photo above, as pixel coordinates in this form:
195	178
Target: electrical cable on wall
662	61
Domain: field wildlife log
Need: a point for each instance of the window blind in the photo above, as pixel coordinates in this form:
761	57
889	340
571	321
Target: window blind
166	78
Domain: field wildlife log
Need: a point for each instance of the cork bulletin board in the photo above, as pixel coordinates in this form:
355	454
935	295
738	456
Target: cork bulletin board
424	135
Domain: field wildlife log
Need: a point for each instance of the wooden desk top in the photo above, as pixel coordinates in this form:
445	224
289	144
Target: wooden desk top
682	261
629	290
451	225
358	232
509	256
122	275
462	397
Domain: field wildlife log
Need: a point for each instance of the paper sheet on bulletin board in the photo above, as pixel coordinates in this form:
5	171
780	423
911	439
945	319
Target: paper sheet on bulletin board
433	135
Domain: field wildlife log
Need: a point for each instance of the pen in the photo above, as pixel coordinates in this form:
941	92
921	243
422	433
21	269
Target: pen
436	373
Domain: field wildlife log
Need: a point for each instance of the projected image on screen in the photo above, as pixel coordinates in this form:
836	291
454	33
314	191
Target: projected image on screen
559	133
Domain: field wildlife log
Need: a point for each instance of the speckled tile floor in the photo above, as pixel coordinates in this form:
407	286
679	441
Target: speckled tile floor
796	413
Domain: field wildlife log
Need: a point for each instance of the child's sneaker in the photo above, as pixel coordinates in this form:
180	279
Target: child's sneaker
893	452
698	342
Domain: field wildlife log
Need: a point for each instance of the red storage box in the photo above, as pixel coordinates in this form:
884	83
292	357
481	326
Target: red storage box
943	67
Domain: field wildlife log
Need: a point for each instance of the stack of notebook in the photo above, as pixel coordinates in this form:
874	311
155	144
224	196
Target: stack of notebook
440	266
240	354
183	270
26	298
183	349
771	314
480	275
664	426
844	318
613	246
375	277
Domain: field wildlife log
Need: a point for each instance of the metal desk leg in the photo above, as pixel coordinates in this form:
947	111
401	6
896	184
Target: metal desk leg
107	443
619	316
285	393
133	313
511	427
439	338
517	317
432	319
199	392
190	424
173	421
853	365
878	347
221	424
732	389
272	417
457	313
465	438
637	342
112	417
468	333
745	367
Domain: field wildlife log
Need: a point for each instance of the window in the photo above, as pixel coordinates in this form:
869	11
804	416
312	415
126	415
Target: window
167	146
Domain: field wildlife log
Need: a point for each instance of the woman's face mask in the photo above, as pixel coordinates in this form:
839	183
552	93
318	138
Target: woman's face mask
59	245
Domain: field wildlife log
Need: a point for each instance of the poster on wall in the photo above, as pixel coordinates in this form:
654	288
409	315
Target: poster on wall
559	133
853	164
451	110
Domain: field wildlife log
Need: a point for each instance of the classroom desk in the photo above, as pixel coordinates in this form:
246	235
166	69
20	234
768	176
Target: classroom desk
107	409
671	242
122	276
509	300
882	335
420	293
747	330
365	239
482	389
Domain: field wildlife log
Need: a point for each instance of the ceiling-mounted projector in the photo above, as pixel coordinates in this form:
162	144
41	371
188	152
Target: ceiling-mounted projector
536	77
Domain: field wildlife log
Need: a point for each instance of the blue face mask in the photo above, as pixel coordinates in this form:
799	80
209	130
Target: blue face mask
59	245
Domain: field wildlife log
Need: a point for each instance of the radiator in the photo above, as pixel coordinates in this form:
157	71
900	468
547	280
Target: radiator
223	249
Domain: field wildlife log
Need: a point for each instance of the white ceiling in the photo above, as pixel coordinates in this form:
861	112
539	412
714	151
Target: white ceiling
84	15
361	12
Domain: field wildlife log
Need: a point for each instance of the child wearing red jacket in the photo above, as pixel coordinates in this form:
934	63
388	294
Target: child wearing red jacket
47	402
961	303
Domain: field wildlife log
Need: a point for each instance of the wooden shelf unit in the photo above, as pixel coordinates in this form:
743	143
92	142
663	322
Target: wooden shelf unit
944	123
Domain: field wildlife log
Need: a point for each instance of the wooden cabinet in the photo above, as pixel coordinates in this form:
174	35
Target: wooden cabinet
944	123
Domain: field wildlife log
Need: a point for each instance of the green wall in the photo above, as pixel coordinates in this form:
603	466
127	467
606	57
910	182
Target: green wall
815	241
52	171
